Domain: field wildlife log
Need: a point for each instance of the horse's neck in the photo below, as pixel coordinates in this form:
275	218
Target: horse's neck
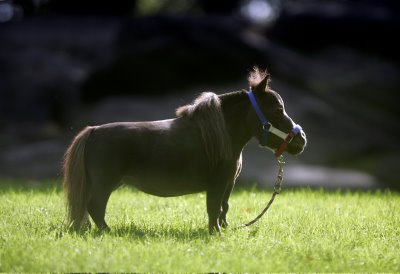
235	107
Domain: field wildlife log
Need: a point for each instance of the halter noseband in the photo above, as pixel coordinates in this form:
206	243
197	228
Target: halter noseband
267	127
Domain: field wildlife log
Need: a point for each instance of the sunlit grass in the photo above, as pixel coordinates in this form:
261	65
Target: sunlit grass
305	230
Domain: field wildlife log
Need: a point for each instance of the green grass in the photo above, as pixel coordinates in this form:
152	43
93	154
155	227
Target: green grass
305	230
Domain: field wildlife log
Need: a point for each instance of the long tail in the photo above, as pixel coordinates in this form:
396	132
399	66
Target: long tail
75	180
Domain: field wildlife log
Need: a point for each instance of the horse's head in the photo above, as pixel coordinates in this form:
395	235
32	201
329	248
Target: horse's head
270	123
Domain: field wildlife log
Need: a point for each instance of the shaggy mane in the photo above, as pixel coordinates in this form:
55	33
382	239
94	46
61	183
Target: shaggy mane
256	76
206	112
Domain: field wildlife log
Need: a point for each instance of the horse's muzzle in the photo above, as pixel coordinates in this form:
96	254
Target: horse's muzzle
297	145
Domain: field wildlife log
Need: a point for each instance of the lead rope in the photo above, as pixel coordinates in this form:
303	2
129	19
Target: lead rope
277	190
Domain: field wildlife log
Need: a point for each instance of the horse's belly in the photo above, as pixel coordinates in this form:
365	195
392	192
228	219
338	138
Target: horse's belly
165	186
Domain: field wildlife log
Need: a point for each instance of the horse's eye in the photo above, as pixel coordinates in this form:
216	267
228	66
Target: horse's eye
279	111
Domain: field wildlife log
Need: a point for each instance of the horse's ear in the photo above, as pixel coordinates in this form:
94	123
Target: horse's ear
258	80
263	85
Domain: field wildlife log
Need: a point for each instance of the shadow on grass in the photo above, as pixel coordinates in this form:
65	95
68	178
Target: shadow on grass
139	232
135	231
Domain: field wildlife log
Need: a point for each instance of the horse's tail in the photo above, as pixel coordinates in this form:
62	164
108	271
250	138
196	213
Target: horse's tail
76	188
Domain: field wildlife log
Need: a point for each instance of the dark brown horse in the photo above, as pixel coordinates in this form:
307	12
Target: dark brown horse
199	150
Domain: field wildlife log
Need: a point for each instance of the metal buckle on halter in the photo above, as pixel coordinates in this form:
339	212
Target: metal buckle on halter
266	126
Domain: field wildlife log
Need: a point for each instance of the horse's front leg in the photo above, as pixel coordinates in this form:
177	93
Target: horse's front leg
229	187
225	205
215	195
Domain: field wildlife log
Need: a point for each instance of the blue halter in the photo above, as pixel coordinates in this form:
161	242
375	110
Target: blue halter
267	126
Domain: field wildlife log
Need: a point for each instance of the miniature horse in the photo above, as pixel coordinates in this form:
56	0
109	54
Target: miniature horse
199	150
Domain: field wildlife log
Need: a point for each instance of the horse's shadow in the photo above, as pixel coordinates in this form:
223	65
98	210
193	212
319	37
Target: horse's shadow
140	231
136	232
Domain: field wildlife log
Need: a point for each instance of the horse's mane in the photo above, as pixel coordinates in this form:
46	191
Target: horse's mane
256	76
206	112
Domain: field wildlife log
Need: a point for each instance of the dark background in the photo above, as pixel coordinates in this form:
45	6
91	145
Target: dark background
65	64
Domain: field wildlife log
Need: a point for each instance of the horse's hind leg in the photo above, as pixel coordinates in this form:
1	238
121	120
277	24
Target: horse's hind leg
101	188
97	206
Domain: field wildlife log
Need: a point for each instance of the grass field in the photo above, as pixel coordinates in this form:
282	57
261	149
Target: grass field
305	230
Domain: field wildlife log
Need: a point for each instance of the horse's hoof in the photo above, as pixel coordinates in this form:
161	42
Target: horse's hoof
224	223
106	229
214	230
